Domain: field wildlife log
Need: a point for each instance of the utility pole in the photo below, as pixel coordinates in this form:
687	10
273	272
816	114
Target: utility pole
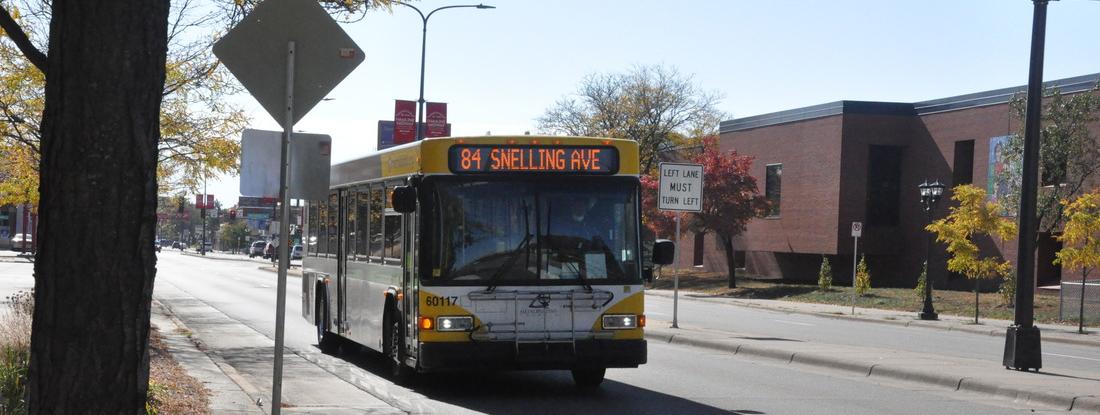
1023	350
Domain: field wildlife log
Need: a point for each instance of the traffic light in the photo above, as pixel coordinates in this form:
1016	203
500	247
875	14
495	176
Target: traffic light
232	214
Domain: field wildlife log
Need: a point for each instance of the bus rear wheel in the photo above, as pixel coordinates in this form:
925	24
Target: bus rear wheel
588	378
399	372
326	340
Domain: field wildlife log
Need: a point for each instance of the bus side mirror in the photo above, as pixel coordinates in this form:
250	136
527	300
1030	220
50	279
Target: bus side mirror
664	251
404	199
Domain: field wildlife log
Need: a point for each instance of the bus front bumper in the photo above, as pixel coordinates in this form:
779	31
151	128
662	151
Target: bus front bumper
535	356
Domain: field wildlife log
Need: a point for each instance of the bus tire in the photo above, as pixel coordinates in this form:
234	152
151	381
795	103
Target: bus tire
588	378
395	355
326	339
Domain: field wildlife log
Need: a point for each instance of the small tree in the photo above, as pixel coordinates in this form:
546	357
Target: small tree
1081	247
730	199
971	218
825	275
921	280
232	234
863	277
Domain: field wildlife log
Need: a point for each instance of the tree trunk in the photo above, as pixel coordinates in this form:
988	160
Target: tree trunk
95	265
977	282
727	244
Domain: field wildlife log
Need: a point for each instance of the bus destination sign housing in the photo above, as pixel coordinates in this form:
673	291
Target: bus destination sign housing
520	158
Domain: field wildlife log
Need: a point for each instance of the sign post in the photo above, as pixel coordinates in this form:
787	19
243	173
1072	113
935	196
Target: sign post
680	190
269	41
857	231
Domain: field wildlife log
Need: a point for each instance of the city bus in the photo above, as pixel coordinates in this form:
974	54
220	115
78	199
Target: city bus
483	253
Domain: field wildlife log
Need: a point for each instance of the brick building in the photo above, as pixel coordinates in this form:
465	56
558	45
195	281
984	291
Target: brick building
829	165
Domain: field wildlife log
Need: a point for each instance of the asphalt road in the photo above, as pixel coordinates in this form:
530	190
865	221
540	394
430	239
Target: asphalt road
854	333
676	380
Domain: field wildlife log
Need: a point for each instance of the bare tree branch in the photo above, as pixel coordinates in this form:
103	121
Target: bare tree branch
19	37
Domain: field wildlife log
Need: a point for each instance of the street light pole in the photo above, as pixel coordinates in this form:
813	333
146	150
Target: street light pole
1022	341
423	56
929	196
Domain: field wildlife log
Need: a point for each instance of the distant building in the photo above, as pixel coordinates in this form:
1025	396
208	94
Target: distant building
829	165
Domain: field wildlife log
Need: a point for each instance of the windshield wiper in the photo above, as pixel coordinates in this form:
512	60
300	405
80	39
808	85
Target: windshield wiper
512	257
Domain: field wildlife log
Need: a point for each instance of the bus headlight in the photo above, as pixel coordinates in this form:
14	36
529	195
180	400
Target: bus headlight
454	323
620	321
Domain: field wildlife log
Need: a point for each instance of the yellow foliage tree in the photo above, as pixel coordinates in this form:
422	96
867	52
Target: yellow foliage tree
1081	246
973	216
199	127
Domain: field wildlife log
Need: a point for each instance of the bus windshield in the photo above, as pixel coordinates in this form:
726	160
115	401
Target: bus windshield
538	231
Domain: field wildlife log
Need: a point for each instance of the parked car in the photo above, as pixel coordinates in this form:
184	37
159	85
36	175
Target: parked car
177	245
296	252
22	242
257	249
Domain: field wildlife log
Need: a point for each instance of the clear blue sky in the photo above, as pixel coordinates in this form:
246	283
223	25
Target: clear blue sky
500	69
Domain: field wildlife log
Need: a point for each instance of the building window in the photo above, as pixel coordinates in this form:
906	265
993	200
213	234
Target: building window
700	239
963	169
883	185
771	188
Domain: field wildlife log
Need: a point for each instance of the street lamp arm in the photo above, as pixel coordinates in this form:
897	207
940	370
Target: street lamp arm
478	6
425	19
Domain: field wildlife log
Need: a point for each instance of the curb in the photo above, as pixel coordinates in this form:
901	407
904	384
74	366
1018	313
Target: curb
216	258
289	271
227	370
987	331
1067	402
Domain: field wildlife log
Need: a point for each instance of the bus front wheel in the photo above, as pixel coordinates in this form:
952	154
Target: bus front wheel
326	340
588	378
399	372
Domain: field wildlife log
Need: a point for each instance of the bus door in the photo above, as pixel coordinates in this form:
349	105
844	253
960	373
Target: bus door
345	222
409	280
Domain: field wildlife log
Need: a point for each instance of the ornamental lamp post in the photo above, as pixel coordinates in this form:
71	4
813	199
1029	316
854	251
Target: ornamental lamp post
929	196
423	53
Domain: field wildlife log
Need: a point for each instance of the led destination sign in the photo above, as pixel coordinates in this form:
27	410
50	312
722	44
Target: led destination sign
533	159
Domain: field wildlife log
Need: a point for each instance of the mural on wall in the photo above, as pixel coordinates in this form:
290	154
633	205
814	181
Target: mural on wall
1003	174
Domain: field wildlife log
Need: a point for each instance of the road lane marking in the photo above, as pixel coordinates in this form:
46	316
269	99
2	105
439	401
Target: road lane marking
1072	357
793	322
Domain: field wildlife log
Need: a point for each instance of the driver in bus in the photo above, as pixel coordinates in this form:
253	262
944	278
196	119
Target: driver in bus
581	221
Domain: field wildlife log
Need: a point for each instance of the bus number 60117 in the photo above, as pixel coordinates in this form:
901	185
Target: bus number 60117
436	301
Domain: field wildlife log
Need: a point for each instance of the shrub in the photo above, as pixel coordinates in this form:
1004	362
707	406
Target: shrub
1008	290
863	277
15	345
921	280
825	275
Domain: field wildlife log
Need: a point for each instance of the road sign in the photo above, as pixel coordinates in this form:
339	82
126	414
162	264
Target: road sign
680	187
255	51
310	156
857	229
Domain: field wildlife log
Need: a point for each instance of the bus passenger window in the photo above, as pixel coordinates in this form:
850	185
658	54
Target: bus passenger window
376	205
333	220
393	238
322	228
351	216
362	205
311	237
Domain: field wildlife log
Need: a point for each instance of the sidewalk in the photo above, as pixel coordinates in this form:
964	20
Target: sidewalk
1057	389
235	362
7	255
991	327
